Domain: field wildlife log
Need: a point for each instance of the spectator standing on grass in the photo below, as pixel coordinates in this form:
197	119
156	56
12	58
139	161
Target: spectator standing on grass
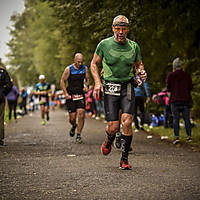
139	103
5	87
167	110
162	99
12	97
179	86
24	96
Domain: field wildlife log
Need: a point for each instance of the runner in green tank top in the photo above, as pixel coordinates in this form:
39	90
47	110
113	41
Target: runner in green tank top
119	57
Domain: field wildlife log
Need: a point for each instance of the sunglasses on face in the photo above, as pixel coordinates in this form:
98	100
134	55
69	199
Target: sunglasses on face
119	29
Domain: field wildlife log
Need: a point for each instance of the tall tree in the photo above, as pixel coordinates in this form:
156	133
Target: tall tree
49	32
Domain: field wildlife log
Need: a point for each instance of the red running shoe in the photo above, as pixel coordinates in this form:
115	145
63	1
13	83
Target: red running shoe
105	149
125	165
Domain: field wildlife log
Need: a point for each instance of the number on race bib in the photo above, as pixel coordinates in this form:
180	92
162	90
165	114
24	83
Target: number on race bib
76	97
43	99
113	89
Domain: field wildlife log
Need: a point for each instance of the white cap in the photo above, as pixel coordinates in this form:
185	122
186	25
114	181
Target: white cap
41	77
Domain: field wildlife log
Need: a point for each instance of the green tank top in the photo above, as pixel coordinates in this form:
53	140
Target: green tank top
118	59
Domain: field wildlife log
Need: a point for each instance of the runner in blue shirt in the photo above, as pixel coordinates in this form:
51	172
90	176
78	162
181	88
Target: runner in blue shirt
139	103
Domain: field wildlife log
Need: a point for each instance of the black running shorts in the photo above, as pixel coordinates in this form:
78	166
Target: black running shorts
46	104
72	106
113	104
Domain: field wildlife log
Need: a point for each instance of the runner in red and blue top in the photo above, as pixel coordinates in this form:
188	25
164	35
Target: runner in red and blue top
75	75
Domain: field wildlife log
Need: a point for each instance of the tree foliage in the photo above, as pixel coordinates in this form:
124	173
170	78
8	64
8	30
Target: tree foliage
48	33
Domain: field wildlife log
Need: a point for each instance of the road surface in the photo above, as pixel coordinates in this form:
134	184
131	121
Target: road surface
43	162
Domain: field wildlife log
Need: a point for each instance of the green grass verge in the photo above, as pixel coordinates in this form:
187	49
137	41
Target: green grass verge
160	130
6	117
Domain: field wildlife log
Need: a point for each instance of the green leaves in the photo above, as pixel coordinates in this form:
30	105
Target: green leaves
48	33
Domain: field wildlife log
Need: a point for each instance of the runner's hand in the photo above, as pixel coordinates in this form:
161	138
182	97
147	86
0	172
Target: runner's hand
85	89
139	82
148	100
142	73
67	96
97	88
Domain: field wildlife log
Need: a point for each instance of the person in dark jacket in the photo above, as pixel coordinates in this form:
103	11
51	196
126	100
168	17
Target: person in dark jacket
5	87
179	86
12	97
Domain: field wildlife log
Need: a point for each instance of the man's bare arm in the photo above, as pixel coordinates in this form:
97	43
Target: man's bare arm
64	78
169	94
139	65
94	67
95	73
87	80
87	76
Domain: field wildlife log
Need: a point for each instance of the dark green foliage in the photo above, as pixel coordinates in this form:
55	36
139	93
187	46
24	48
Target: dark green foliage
48	33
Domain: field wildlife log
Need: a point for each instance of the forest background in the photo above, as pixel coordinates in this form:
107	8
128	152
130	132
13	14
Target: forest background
45	37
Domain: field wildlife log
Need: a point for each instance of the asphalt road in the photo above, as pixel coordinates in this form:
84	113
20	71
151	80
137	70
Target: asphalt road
43	162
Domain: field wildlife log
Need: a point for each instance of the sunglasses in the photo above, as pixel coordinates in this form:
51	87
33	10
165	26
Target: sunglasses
123	29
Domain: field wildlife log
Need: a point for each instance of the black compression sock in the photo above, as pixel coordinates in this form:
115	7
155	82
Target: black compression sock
74	126
111	138
126	142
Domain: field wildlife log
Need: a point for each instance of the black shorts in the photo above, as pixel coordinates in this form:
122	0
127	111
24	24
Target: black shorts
113	103
72	106
46	104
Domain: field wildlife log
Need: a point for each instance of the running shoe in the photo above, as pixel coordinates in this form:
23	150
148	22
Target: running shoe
105	148
176	141
72	131
118	140
78	139
189	139
142	128
125	165
136	130
43	122
47	118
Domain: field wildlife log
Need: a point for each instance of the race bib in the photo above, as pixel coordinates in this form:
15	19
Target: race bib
43	100
113	89
76	97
